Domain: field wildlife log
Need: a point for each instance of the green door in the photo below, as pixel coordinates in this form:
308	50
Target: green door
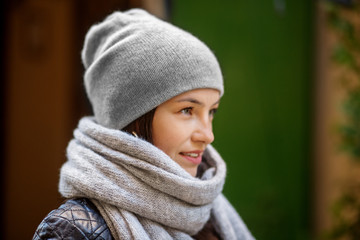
262	126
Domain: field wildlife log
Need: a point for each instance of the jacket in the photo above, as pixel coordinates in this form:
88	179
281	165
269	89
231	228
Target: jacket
75	219
80	219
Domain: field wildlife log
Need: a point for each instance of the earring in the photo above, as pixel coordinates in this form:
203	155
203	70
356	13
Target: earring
134	134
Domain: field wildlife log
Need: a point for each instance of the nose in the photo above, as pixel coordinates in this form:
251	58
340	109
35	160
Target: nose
203	132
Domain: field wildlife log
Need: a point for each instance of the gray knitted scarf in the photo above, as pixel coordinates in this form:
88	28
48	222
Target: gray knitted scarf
141	192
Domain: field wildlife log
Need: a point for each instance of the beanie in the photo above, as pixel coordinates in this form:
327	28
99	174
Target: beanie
134	62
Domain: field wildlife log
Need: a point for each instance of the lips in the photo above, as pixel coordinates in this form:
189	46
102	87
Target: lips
193	156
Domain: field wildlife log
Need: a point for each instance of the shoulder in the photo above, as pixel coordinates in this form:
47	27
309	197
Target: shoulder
75	219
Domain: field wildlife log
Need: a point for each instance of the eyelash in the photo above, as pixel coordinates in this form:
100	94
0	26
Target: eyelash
189	109
213	111
186	110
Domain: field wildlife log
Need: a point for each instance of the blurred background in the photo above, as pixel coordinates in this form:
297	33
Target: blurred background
288	126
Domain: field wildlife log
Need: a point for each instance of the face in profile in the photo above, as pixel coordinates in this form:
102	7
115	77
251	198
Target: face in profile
182	126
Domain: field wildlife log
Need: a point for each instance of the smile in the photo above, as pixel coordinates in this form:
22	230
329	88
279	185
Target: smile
194	157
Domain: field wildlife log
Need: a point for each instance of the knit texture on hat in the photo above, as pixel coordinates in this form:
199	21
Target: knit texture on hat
135	61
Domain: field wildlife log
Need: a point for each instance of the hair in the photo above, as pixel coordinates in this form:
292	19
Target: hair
142	126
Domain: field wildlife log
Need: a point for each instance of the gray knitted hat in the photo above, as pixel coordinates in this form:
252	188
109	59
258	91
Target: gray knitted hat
135	61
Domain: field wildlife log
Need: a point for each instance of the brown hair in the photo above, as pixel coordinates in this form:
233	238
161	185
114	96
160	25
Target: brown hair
142	126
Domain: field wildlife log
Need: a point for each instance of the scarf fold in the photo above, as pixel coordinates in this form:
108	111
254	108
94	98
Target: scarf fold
141	192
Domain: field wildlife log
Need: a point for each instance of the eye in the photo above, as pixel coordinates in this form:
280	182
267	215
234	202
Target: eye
212	112
186	111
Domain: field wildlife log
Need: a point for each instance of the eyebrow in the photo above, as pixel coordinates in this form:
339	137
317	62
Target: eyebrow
192	100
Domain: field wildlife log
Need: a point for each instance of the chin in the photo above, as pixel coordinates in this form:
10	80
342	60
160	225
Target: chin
192	171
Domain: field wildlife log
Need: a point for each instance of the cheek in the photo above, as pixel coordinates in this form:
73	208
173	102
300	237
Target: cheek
168	135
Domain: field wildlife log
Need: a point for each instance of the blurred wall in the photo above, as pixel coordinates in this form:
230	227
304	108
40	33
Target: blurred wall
43	100
40	60
336	171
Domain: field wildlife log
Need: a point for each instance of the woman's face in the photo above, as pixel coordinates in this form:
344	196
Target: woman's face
182	126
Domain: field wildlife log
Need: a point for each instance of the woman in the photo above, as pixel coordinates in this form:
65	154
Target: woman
142	167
